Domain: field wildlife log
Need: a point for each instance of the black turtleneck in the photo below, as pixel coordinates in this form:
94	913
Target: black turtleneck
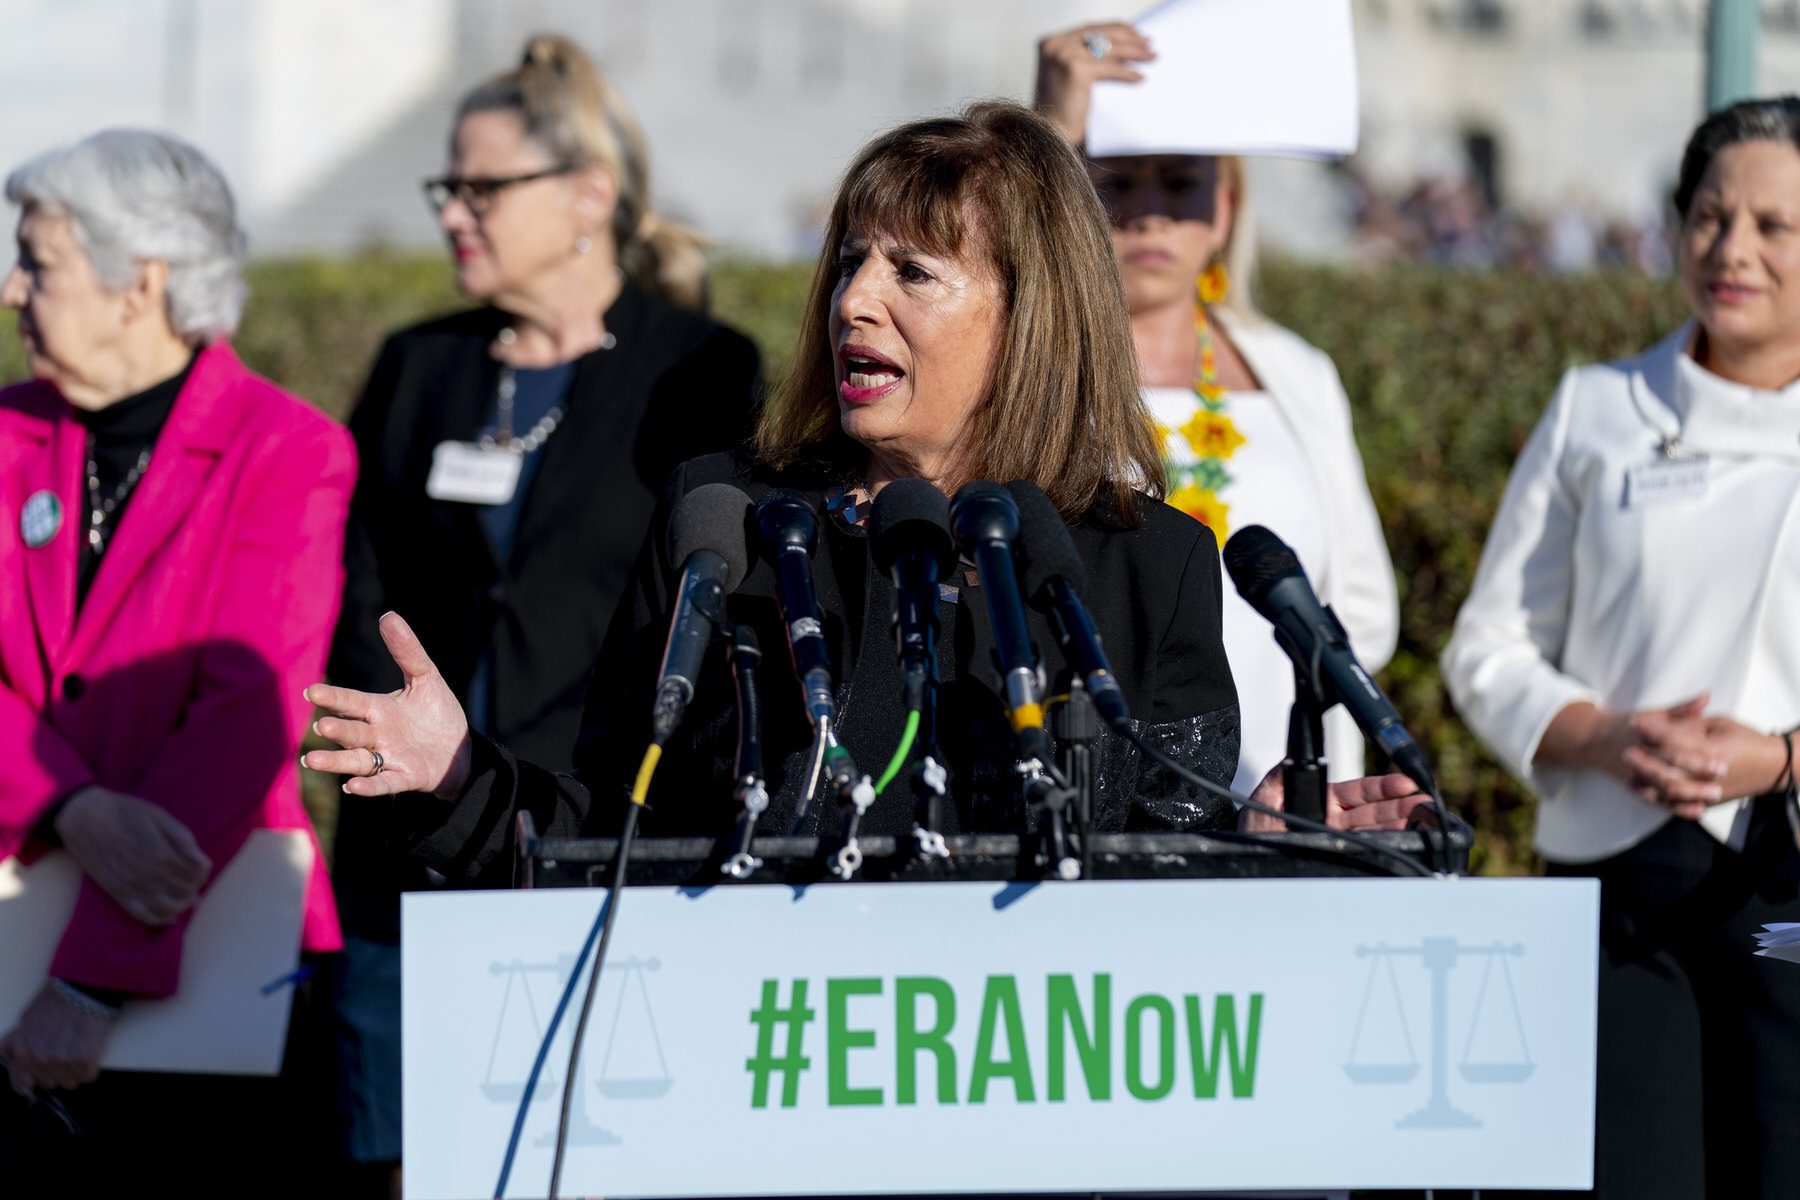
117	435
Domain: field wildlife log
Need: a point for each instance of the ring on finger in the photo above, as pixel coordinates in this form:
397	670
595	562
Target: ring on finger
380	763
1097	43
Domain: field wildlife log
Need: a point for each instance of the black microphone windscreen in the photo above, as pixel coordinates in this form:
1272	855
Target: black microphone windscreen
983	511
714	516
1258	560
1044	551
910	515
787	519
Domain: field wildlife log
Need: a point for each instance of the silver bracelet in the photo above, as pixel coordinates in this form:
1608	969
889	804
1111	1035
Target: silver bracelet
83	1003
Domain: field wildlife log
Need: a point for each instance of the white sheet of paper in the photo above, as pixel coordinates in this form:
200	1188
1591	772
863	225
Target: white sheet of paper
1258	77
244	936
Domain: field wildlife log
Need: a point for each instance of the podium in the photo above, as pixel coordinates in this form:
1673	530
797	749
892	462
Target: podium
1199	1015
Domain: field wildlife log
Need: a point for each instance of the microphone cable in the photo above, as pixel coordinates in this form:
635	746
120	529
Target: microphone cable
821	735
605	920
901	752
601	930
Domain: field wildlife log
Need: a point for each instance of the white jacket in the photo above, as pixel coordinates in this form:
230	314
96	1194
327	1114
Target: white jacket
1588	591
1358	579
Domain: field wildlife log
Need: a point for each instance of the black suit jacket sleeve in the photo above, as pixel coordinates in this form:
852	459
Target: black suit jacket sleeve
473	841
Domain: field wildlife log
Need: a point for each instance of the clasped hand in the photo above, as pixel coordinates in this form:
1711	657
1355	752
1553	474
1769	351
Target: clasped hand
1686	761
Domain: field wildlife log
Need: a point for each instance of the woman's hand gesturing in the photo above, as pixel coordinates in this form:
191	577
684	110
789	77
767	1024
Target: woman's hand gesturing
412	740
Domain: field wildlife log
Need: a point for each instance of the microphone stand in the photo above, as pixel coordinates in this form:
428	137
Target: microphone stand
1303	771
855	793
751	794
929	779
1075	724
1049	798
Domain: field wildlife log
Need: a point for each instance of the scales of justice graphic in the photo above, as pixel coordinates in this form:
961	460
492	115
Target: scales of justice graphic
1439	956
517	1035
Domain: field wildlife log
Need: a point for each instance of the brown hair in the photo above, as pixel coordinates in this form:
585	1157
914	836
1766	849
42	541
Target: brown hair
1061	407
568	108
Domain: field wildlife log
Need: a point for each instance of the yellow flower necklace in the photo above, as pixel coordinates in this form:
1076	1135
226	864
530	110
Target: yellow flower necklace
1210	433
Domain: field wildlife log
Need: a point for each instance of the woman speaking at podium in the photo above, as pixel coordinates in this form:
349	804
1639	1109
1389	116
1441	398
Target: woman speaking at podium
966	321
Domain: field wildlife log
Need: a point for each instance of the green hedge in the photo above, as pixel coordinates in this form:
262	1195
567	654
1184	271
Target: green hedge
1446	371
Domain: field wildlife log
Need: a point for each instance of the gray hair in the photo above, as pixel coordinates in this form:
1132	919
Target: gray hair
131	195
1775	120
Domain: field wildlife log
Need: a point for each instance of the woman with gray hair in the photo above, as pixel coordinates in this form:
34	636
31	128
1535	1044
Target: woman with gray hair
172	525
1629	651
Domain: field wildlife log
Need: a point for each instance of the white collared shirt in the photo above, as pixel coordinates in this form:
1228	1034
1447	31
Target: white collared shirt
1645	552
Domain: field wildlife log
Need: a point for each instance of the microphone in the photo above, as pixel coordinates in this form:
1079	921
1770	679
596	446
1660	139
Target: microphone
791	528
1269	576
986	523
706	536
1052	576
909	535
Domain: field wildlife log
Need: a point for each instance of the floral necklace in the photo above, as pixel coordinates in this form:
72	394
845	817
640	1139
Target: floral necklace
1210	434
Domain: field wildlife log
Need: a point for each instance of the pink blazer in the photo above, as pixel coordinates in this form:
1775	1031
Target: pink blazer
179	682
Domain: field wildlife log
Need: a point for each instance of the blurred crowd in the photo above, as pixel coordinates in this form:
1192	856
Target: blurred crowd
1452	222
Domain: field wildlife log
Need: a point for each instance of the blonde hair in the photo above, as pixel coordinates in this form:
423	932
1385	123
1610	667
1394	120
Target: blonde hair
1239	254
568	108
1061	407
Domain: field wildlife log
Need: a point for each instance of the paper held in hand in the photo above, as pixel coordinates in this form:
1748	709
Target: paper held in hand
1257	77
238	959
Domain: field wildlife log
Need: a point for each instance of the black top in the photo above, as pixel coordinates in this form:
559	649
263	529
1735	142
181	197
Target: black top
117	436
674	384
1154	593
536	392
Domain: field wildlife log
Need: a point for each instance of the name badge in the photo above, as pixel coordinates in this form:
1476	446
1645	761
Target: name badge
1666	481
469	473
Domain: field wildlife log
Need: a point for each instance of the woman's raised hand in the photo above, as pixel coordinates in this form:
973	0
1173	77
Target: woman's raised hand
412	740
1068	67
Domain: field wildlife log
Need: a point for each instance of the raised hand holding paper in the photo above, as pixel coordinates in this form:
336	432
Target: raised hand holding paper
1258	77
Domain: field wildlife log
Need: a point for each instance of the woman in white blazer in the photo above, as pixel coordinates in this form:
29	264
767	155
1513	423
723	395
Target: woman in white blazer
1254	423
1631	651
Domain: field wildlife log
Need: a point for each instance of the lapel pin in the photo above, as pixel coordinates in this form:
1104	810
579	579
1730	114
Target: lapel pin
41	517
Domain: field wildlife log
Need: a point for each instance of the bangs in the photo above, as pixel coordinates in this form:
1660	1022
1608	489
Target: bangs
911	191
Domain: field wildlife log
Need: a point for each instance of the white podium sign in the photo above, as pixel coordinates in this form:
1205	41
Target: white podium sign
978	1037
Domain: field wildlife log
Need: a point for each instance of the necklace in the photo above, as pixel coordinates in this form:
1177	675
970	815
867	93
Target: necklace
1210	436
101	509
850	502
502	438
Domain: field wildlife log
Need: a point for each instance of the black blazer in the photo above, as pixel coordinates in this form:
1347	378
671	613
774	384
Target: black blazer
674	384
1154	593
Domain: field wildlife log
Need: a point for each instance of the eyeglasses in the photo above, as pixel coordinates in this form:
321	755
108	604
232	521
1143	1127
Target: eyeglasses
477	195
